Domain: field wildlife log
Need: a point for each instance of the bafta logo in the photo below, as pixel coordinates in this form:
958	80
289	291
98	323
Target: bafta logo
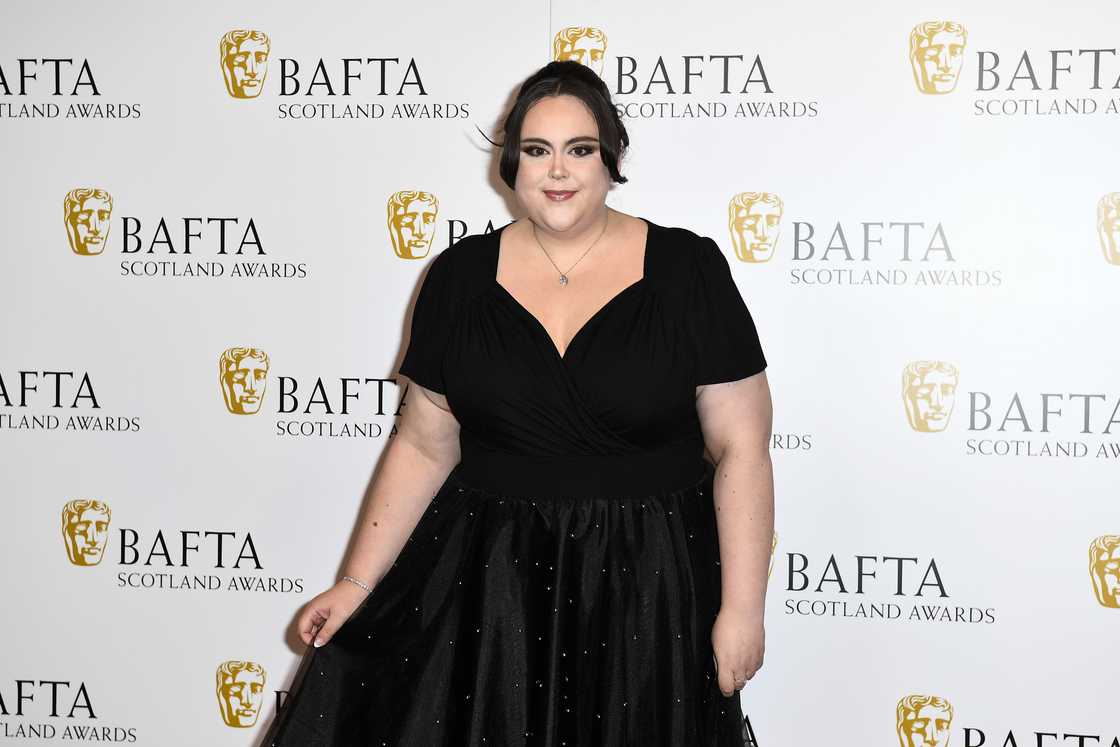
1108	226
87	212
1104	567
923	721
929	390
412	222
244	60
583	44
755	220
936	54
243	375
85	530
240	692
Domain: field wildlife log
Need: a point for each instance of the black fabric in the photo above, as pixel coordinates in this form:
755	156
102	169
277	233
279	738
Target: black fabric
561	586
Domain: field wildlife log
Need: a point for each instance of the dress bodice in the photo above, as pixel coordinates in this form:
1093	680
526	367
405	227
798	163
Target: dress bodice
626	383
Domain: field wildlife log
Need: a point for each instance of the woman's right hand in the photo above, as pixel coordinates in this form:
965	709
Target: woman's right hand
328	612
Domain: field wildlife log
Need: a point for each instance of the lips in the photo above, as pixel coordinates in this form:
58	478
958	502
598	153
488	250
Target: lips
559	195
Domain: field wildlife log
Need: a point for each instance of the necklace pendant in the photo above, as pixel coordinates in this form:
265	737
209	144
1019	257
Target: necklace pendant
563	279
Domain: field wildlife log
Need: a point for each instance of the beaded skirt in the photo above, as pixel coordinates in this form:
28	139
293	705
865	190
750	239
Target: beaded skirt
515	619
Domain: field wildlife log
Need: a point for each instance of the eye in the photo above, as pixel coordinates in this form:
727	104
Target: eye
530	150
588	148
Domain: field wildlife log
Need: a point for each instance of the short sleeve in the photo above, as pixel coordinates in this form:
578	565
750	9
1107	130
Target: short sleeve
725	342
423	360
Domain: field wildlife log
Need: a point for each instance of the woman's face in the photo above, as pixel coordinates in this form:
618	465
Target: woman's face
561	180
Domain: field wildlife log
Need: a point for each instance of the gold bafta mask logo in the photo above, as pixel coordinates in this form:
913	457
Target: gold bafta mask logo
583	44
1108	226
244	60
929	390
755	220
240	692
85	530
87	211
923	721
412	222
1104	567
243	375
936	55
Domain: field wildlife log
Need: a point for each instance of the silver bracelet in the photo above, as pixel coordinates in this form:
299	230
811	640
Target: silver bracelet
362	584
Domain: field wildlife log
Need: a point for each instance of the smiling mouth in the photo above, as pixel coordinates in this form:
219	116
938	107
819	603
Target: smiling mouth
558	195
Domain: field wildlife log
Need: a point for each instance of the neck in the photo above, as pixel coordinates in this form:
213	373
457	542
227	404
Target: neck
570	244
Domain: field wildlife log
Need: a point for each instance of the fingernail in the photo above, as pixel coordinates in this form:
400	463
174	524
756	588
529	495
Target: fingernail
318	642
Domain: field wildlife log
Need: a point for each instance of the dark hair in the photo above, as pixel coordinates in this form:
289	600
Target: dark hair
556	79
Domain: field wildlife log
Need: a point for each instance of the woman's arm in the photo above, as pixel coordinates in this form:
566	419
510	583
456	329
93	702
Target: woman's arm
736	418
416	463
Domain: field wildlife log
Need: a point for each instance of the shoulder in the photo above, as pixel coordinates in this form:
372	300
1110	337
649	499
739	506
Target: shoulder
683	252
466	263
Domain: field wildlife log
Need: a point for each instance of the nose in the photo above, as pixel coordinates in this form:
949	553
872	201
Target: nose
943	60
556	168
251	384
251	66
936	400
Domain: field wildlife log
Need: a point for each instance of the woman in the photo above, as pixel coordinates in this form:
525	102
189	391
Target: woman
552	560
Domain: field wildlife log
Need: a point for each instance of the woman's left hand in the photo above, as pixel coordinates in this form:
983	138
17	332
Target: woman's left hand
738	643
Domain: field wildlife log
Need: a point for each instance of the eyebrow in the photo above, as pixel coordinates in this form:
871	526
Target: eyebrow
577	139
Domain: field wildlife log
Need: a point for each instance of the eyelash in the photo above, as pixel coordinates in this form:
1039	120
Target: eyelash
590	149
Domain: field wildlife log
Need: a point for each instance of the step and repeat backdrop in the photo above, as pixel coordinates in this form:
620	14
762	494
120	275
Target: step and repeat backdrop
217	218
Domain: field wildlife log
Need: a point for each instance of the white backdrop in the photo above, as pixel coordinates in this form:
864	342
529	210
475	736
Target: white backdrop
990	602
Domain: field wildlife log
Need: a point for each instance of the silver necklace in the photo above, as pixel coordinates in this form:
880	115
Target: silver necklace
564	275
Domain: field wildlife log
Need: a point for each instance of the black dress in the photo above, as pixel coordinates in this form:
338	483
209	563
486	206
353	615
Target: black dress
561	587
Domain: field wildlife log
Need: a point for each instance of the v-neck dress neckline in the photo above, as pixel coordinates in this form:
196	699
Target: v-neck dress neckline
495	248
